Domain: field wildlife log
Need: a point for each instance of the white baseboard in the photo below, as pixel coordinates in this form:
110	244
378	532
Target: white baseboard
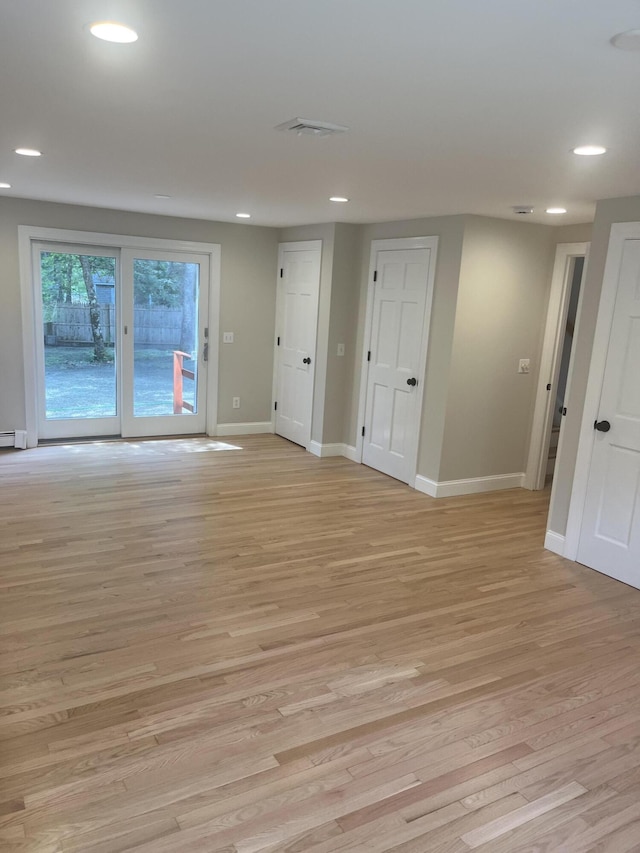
257	428
426	486
337	449
554	542
351	453
472	486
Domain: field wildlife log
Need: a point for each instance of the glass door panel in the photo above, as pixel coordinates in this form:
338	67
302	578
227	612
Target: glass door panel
165	337
78	345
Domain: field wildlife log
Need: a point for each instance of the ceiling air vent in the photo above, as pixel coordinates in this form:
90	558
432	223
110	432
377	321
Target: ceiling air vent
309	127
522	209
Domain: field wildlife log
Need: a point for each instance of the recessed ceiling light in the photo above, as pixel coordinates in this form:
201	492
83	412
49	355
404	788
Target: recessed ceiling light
556	210
162	196
112	31
28	152
589	150
243	215
4	186
339	198
630	40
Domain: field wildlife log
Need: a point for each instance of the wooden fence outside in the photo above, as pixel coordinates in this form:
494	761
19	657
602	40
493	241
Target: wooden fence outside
155	326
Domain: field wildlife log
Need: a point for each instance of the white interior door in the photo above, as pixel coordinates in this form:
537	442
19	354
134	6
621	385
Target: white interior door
610	532
402	288
296	329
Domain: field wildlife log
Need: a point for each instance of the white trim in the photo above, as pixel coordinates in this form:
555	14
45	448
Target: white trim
351	452
28	234
257	428
426	486
323	450
554	542
550	360
401	243
620	231
471	486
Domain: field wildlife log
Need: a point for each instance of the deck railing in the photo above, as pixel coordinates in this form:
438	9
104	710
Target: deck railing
180	372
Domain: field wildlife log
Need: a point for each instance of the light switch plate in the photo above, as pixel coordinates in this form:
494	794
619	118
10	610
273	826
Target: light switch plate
227	337
523	365
340	349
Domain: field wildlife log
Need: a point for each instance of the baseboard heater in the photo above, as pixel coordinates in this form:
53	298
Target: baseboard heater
17	438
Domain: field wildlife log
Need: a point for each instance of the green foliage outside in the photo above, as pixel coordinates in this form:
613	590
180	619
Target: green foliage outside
157	283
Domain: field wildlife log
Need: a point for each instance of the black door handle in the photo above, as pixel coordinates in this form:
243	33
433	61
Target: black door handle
602	426
412	381
306	360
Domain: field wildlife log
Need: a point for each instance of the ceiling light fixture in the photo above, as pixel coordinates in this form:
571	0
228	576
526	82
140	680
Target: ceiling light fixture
28	152
629	40
339	199
113	31
556	210
589	150
162	196
4	186
243	215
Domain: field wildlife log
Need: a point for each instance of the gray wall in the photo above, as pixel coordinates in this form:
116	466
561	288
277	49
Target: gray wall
248	291
343	324
502	299
607	212
450	231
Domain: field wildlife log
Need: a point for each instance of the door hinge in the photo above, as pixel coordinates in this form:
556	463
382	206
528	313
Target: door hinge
275	407
369	356
281	272
549	387
375	275
278	340
563	411
362	430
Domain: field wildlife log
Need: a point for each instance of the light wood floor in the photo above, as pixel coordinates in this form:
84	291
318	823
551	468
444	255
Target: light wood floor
258	650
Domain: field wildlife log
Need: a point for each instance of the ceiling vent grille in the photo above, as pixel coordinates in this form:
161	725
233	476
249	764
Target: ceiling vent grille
522	209
309	127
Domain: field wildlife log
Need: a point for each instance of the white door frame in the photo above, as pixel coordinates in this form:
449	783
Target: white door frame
27	234
293	246
620	232
551	358
400	243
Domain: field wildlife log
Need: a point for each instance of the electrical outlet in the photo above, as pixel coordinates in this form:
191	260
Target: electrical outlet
340	349
236	402
523	365
227	337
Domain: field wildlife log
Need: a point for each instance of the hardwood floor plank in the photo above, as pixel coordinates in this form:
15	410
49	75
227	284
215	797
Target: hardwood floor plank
256	650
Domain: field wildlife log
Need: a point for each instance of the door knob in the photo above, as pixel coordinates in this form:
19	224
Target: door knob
602	426
412	381
306	360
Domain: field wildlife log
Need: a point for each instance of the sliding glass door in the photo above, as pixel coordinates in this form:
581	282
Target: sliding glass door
164	343
79	296
123	348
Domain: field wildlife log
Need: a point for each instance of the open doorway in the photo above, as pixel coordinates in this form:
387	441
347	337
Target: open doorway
555	367
559	409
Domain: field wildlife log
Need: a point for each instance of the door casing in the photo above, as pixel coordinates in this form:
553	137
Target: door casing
550	358
28	234
401	243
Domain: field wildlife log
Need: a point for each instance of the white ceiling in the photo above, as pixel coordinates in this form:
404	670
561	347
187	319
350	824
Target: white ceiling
454	106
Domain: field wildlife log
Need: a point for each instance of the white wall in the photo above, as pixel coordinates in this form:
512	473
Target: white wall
248	281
